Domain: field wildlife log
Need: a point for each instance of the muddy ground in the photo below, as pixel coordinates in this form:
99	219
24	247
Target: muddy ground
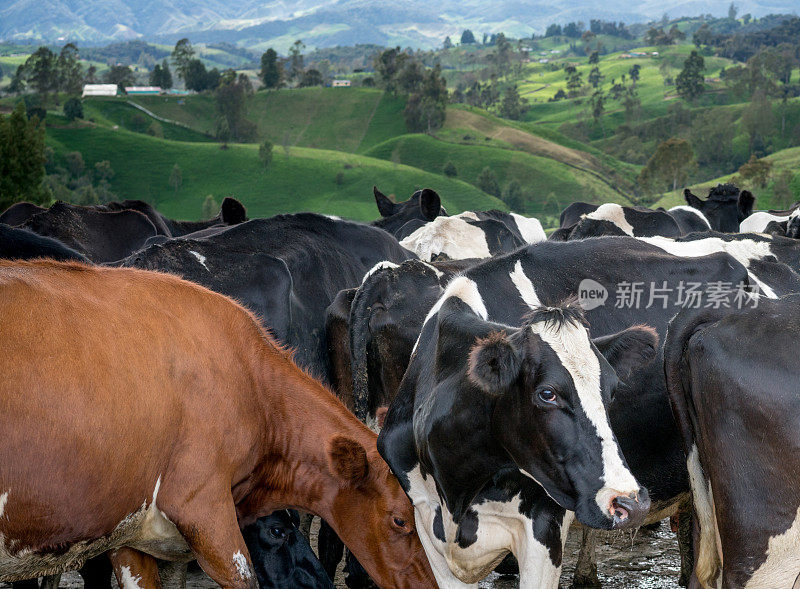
648	560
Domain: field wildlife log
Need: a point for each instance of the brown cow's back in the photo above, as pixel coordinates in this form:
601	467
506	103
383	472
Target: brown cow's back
122	368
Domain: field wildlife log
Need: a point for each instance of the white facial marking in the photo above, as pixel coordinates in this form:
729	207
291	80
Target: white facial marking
743	251
707	566
240	562
783	560
200	258
378	266
612	213
451	236
438	272
572	346
689	209
128	580
524	286
530	228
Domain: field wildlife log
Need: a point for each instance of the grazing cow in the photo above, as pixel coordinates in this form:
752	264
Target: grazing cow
424	205
101	236
144	375
725	208
737	410
20	244
508	287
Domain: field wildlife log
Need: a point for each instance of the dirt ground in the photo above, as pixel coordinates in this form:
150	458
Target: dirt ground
648	560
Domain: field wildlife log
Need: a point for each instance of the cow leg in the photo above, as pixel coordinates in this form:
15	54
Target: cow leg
51	581
173	574
685	544
210	527
134	569
96	573
586	568
330	549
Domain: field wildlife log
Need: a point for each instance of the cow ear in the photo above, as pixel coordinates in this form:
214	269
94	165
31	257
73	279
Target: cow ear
692	200
629	348
232	212
385	205
348	460
494	363
429	204
745	204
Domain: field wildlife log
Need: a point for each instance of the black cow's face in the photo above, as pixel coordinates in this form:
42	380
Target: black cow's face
725	207
281	555
552	386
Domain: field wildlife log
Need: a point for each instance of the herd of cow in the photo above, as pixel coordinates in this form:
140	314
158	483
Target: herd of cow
449	394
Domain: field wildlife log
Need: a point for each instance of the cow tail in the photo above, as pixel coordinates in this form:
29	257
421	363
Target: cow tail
708	560
359	341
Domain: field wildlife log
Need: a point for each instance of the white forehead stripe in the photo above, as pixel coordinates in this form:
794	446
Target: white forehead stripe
376	267
572	346
524	286
613	213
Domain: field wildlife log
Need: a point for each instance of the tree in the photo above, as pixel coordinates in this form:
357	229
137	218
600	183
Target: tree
670	164
210	207
425	110
265	153
732	11
448	44
41	73
271	73
17	84
594	58
758	121
182	56
597	102
175	178
389	63
296	60
595	77
411	77
103	171
121	75
512	107
231	102
512	196
467	38
634	73
22	158
73	109
70	72
574	81
756	171
712	133
449	169
161	76
487	181
689	82
75	163
199	79
311	78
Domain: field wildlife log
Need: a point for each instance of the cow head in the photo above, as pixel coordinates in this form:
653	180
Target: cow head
545	386
424	205
725	206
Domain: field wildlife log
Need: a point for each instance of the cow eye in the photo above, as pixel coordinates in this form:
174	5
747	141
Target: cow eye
399	522
277	533
548	396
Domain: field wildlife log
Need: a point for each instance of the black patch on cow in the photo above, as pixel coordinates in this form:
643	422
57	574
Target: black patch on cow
467	533
438	525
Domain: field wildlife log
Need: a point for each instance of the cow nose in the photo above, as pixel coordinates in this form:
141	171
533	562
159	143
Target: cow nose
629	511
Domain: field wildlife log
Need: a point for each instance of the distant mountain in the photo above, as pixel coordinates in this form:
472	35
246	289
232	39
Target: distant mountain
322	23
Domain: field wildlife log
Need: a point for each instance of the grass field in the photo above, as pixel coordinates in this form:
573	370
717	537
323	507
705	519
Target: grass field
304	179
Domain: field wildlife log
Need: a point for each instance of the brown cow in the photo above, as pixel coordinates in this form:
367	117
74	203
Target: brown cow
145	415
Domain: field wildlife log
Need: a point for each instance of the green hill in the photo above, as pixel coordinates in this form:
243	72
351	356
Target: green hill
303	180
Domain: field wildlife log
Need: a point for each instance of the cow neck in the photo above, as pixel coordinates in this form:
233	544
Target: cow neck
301	420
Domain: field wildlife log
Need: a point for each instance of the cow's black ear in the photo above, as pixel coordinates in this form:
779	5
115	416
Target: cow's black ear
745	204
429	204
348	460
494	363
628	349
385	205
692	200
232	212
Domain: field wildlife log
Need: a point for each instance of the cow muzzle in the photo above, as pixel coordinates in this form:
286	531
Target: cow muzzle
628	511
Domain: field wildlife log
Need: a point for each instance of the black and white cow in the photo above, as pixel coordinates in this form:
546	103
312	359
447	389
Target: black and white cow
784	249
504	290
473	234
785	223
423	206
737	409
